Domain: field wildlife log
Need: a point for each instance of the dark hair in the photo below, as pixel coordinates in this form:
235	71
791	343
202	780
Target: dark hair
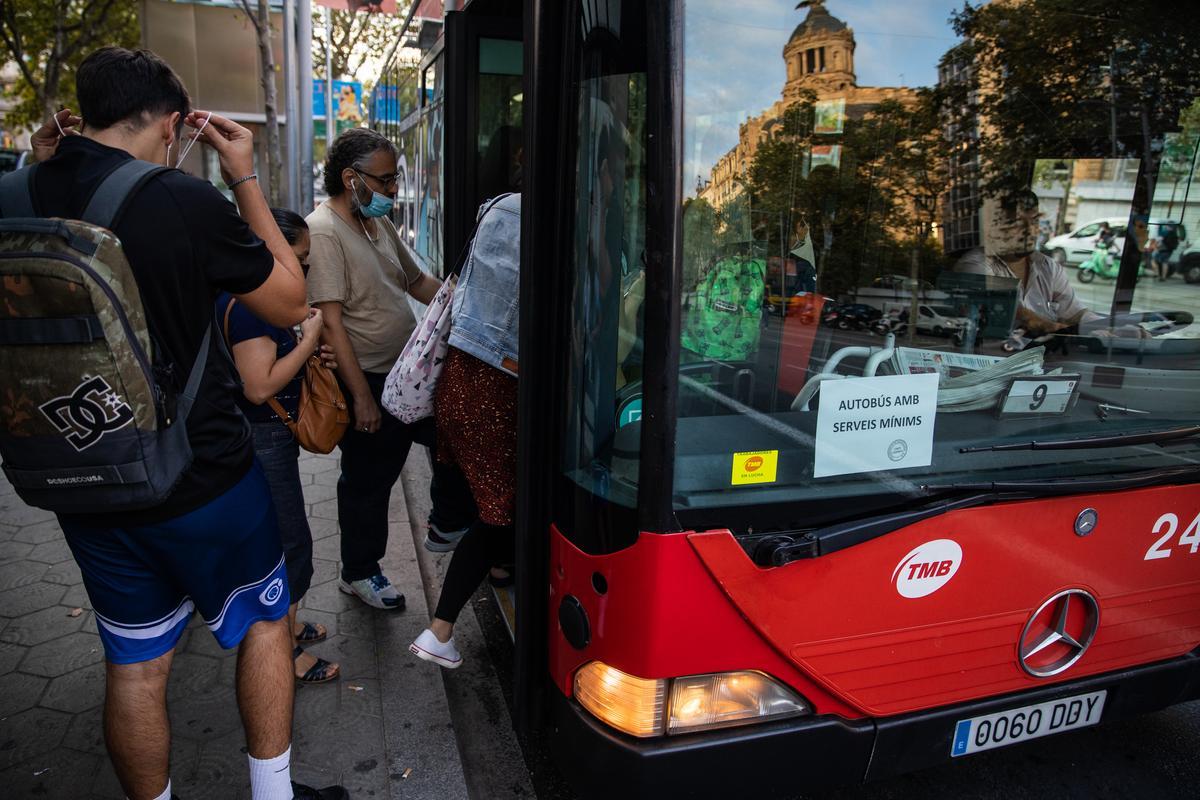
352	149
115	85
291	224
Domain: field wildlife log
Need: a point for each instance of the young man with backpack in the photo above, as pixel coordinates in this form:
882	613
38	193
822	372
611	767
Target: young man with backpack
138	443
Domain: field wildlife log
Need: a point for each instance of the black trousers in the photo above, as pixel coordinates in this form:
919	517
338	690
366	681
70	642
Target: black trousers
483	547
371	465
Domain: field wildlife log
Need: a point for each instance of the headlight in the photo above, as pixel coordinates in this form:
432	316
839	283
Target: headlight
640	706
703	702
628	703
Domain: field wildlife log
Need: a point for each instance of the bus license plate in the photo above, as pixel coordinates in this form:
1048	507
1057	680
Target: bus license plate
1029	722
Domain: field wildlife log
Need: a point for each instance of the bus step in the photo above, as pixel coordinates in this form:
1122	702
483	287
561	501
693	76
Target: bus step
506	601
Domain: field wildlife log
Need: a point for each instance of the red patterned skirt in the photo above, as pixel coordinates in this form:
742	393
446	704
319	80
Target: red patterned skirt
476	412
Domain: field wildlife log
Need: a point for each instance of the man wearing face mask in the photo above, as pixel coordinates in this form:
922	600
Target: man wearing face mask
361	277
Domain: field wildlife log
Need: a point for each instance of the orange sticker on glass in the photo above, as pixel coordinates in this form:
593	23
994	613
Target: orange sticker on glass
758	466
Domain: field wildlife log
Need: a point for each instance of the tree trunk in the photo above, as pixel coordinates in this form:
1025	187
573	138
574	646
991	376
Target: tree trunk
270	103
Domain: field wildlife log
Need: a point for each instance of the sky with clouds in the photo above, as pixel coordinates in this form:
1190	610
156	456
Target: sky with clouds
734	59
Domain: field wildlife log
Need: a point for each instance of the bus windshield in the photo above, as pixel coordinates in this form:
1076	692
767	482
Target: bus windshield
919	238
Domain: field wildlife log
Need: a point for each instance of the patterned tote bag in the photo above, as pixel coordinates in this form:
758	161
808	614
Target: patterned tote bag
408	392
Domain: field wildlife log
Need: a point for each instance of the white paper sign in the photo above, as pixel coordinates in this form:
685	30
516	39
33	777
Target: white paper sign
870	424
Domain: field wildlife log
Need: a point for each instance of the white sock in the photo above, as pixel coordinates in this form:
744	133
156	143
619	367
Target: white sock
271	778
166	795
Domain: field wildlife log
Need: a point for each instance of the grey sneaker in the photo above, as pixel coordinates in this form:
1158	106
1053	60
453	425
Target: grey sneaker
439	541
375	591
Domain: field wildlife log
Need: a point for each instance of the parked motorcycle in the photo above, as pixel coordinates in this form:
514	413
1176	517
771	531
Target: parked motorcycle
892	323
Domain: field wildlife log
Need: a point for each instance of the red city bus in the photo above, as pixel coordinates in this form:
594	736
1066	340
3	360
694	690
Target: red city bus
941	500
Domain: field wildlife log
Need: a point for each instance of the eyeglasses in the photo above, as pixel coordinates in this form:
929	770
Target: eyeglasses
386	180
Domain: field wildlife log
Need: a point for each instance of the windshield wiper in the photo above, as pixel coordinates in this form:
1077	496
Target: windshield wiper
777	550
1116	440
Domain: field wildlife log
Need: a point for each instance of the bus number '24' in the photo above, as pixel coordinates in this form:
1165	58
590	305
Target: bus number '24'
1191	536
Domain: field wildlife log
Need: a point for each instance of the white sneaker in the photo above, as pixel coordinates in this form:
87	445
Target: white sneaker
375	591
428	648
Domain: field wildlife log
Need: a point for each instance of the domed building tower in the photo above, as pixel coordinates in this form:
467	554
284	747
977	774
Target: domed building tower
819	54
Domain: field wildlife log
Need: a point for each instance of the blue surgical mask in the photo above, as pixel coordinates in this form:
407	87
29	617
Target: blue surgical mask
380	205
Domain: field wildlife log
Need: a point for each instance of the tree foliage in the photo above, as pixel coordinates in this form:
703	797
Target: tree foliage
47	40
1058	78
358	39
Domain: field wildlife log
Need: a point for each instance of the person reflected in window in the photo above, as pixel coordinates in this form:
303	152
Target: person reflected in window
1046	301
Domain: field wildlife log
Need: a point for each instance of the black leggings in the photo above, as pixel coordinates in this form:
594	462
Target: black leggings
481	548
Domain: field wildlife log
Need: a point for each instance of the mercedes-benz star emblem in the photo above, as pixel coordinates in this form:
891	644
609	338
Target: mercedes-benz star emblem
1058	633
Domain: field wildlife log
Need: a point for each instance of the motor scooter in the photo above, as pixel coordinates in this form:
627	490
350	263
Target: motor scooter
1105	262
891	323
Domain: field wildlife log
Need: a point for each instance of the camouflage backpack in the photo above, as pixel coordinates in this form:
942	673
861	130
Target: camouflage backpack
725	318
84	425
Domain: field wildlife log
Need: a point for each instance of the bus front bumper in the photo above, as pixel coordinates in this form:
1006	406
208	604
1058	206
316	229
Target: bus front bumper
803	753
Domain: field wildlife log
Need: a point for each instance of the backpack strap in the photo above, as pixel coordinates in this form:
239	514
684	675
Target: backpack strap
279	410
16	193
110	197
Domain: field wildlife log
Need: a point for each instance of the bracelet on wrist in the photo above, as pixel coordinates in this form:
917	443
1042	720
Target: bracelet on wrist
253	176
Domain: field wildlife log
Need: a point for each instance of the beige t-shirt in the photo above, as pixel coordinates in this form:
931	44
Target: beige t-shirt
369	279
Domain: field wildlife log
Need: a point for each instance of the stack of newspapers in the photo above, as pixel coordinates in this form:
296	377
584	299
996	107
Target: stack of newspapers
969	382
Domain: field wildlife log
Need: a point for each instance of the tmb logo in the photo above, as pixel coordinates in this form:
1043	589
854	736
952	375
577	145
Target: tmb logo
90	411
927	568
754	463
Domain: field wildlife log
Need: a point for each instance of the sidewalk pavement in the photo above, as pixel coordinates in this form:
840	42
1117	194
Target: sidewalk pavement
383	729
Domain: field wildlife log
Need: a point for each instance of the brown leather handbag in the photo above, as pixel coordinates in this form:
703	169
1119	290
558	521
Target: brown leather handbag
323	416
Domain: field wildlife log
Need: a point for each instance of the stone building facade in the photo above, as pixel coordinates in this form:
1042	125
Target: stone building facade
820	59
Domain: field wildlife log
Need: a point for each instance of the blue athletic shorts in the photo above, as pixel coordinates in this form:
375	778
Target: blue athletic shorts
224	559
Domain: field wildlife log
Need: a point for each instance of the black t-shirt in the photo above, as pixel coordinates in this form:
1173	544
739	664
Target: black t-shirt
185	243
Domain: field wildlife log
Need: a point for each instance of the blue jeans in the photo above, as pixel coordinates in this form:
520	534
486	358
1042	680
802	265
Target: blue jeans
278	453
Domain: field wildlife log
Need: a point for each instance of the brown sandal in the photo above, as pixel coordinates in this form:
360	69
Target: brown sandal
321	672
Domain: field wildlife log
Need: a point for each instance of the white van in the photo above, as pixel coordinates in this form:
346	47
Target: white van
1076	247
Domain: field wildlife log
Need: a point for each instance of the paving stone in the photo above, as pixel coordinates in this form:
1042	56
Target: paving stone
12	550
366	778
327	597
89	622
40	533
325	509
7	533
86	732
363	700
41	626
20	692
327	478
52	552
76	691
358	621
329	548
76	597
33	597
316	492
356	657
21	573
208	715
222	770
324	529
65	654
14	512
10	656
313	466
325	570
51	776
67	573
192	673
316	703
30	733
342	741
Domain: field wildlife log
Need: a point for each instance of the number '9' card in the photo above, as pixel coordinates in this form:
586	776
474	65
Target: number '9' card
1039	395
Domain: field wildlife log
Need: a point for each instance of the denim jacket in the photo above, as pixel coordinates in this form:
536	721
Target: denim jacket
484	310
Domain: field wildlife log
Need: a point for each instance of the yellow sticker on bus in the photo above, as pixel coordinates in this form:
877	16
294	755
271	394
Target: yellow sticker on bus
758	466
